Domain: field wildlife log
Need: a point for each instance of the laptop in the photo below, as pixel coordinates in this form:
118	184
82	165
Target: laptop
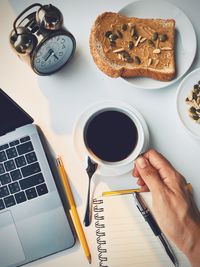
33	222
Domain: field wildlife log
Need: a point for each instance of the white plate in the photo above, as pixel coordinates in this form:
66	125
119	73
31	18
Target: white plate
185	39
79	142
183	90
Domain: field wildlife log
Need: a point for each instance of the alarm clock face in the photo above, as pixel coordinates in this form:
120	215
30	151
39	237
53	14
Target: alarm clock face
52	54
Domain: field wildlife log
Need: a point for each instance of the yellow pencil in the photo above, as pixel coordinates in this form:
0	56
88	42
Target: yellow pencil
75	216
130	191
120	192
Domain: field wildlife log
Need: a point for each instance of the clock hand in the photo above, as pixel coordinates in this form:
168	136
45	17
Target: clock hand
55	56
50	52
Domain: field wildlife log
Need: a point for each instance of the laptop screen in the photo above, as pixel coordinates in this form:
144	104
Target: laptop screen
12	116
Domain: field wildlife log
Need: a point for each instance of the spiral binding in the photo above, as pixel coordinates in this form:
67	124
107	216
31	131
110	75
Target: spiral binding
100	232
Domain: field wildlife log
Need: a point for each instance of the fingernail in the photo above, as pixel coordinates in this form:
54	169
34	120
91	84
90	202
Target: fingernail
141	162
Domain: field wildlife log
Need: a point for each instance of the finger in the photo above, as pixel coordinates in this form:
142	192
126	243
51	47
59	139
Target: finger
149	174
140	182
160	163
135	172
166	171
144	188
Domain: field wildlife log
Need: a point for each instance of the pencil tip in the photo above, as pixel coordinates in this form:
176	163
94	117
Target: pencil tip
89	259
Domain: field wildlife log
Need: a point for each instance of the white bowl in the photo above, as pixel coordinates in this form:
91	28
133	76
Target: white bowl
185	86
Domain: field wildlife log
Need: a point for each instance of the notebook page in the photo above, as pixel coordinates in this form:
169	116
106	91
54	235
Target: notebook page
129	239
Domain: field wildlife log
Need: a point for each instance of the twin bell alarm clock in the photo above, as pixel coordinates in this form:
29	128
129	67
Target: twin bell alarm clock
41	40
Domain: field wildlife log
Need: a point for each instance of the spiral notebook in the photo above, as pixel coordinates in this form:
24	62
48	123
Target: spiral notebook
123	237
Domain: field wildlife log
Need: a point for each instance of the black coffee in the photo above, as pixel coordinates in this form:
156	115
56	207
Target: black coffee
111	135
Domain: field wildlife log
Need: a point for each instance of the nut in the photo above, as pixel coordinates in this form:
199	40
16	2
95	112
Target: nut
192	110
118	50
142	39
193	101
130	45
149	62
166	48
113	37
190	95
195	117
198	101
137	60
155	36
120	56
138	40
126	57
124	27
132	31
156	51
194	96
163	37
157	43
107	34
130	24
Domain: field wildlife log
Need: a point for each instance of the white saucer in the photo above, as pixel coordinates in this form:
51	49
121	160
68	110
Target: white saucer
185	39
182	108
79	142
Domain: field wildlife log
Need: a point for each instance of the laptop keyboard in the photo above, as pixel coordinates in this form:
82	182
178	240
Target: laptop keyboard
21	178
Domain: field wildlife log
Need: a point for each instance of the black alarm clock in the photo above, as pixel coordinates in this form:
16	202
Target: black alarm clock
41	40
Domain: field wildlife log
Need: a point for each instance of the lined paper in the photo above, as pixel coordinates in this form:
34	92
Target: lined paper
130	241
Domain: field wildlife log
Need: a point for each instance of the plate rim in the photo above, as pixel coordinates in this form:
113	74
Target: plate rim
176	79
190	74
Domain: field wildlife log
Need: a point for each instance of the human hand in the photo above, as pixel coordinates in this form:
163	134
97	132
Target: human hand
172	204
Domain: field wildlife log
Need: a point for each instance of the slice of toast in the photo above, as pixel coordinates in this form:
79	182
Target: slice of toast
128	47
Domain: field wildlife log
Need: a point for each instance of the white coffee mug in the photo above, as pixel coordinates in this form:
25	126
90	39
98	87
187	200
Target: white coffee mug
114	167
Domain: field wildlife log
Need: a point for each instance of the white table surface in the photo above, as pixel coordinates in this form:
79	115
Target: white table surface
55	102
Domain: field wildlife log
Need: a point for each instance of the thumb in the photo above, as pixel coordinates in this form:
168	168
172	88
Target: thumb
148	173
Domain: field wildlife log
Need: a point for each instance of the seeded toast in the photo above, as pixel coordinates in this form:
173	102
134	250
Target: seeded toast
128	47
